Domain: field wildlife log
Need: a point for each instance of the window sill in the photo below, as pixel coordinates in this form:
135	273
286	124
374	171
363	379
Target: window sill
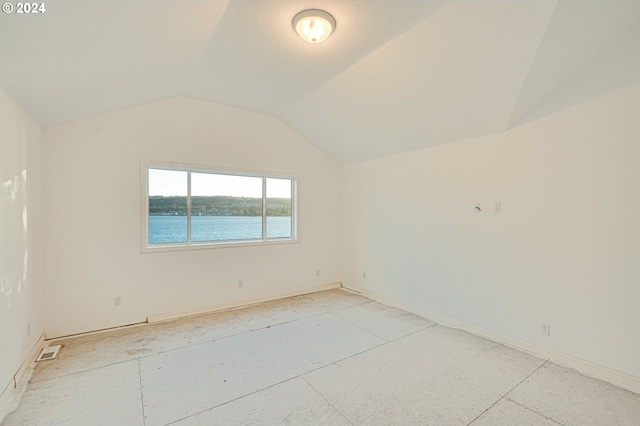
159	248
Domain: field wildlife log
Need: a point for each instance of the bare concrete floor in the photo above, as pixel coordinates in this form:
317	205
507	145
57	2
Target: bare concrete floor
329	358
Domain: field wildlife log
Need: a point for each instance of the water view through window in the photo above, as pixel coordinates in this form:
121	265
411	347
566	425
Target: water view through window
193	206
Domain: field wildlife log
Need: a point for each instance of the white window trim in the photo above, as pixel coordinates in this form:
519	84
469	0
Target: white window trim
145	247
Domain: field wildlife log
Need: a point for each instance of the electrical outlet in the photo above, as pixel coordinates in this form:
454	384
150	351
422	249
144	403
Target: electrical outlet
497	207
240	283
318	272
545	329
117	301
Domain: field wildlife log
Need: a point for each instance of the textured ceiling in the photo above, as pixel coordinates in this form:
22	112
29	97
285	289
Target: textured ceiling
396	75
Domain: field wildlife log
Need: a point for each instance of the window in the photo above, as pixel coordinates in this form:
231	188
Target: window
192	207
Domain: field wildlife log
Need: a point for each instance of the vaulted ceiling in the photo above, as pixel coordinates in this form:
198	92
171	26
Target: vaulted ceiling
396	75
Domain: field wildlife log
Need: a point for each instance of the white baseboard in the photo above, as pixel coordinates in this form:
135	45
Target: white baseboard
350	290
234	305
618	378
175	315
10	391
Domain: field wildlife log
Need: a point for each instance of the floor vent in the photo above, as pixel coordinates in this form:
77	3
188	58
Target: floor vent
48	353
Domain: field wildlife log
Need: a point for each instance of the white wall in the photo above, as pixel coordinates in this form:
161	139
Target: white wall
21	287
92	207
565	250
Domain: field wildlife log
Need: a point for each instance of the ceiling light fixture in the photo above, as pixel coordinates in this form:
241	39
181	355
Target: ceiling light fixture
313	25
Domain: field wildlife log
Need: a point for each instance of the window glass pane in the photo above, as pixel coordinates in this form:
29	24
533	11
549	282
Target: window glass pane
167	206
278	208
225	207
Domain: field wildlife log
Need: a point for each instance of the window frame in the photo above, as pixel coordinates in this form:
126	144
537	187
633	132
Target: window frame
145	247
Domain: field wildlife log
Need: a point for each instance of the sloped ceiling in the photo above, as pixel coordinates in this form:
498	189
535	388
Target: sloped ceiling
397	75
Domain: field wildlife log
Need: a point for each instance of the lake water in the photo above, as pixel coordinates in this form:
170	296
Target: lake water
173	229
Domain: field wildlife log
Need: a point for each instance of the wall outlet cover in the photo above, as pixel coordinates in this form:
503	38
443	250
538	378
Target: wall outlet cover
545	329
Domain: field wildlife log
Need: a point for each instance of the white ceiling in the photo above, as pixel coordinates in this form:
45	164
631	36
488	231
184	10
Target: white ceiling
397	75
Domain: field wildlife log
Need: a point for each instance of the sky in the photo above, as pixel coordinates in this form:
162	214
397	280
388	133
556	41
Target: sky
174	182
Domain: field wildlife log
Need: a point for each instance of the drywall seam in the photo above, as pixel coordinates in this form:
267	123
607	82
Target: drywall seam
7	396
615	377
209	309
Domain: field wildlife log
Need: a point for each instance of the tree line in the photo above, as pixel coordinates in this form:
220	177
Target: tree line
218	205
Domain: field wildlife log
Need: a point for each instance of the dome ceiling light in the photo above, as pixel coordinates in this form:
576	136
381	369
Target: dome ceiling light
313	25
